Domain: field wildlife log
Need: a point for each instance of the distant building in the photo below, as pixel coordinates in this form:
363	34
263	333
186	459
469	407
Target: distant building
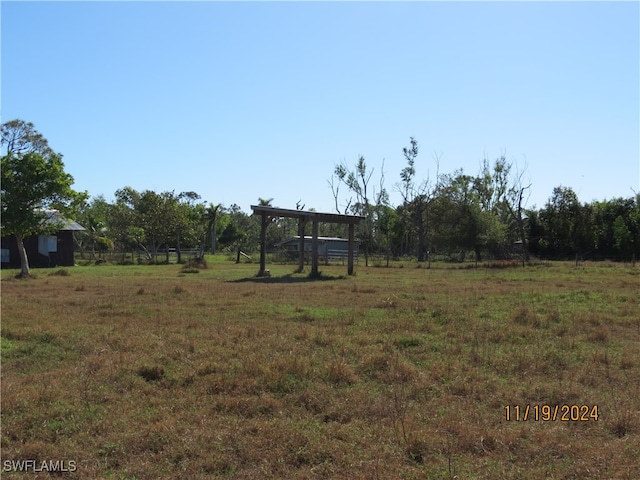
44	250
329	248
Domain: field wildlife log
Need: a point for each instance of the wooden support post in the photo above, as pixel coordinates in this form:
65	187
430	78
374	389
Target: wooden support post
263	244
314	249
350	253
301	224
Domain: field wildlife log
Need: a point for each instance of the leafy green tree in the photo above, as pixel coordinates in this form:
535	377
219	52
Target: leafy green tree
93	217
164	217
503	196
186	228
416	199
389	225
468	215
231	235
123	221
21	137
623	236
32	180
357	181
149	220
248	226
626	229
462	213
568	225
605	214
491	184
557	217
157	217
582	232
32	183
211	218
418	205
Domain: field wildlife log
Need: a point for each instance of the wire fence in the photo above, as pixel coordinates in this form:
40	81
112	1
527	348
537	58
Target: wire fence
131	257
334	258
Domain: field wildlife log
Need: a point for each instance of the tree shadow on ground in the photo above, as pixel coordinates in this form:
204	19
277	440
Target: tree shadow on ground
290	278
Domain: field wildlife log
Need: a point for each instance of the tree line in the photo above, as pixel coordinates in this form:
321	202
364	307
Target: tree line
457	215
452	216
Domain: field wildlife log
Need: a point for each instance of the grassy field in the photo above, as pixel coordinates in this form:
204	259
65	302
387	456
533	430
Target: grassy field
146	372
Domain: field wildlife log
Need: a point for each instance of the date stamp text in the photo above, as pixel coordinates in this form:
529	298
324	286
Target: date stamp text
551	413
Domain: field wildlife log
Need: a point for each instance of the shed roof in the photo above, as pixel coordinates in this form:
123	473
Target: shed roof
296	238
54	217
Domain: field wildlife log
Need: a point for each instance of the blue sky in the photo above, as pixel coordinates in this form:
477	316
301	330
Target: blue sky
237	101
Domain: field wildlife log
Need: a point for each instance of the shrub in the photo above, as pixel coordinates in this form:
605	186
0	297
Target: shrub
198	263
341	372
63	272
151	374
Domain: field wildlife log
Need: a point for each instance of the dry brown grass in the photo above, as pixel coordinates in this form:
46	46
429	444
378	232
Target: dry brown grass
141	372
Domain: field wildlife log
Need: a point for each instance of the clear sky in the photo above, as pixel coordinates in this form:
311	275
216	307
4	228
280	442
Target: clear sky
237	101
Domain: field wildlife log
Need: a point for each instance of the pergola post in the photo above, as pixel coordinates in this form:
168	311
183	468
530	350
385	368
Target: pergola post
314	249
263	243
350	250
301	224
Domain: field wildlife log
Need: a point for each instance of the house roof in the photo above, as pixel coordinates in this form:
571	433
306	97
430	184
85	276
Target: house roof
54	217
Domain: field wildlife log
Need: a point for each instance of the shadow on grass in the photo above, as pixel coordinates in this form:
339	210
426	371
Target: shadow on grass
290	278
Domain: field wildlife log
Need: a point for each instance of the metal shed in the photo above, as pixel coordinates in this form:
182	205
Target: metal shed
329	248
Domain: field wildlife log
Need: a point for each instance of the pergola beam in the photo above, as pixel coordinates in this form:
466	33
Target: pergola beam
318	216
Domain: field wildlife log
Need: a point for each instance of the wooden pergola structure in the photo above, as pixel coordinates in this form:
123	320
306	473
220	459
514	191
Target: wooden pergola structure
268	213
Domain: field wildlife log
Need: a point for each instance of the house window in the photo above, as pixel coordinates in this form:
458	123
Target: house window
5	255
47	244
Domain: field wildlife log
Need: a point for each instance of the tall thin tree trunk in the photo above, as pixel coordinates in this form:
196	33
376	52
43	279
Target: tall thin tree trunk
24	260
422	244
388	248
523	238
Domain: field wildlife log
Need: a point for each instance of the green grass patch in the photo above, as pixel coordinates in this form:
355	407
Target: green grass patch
146	372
